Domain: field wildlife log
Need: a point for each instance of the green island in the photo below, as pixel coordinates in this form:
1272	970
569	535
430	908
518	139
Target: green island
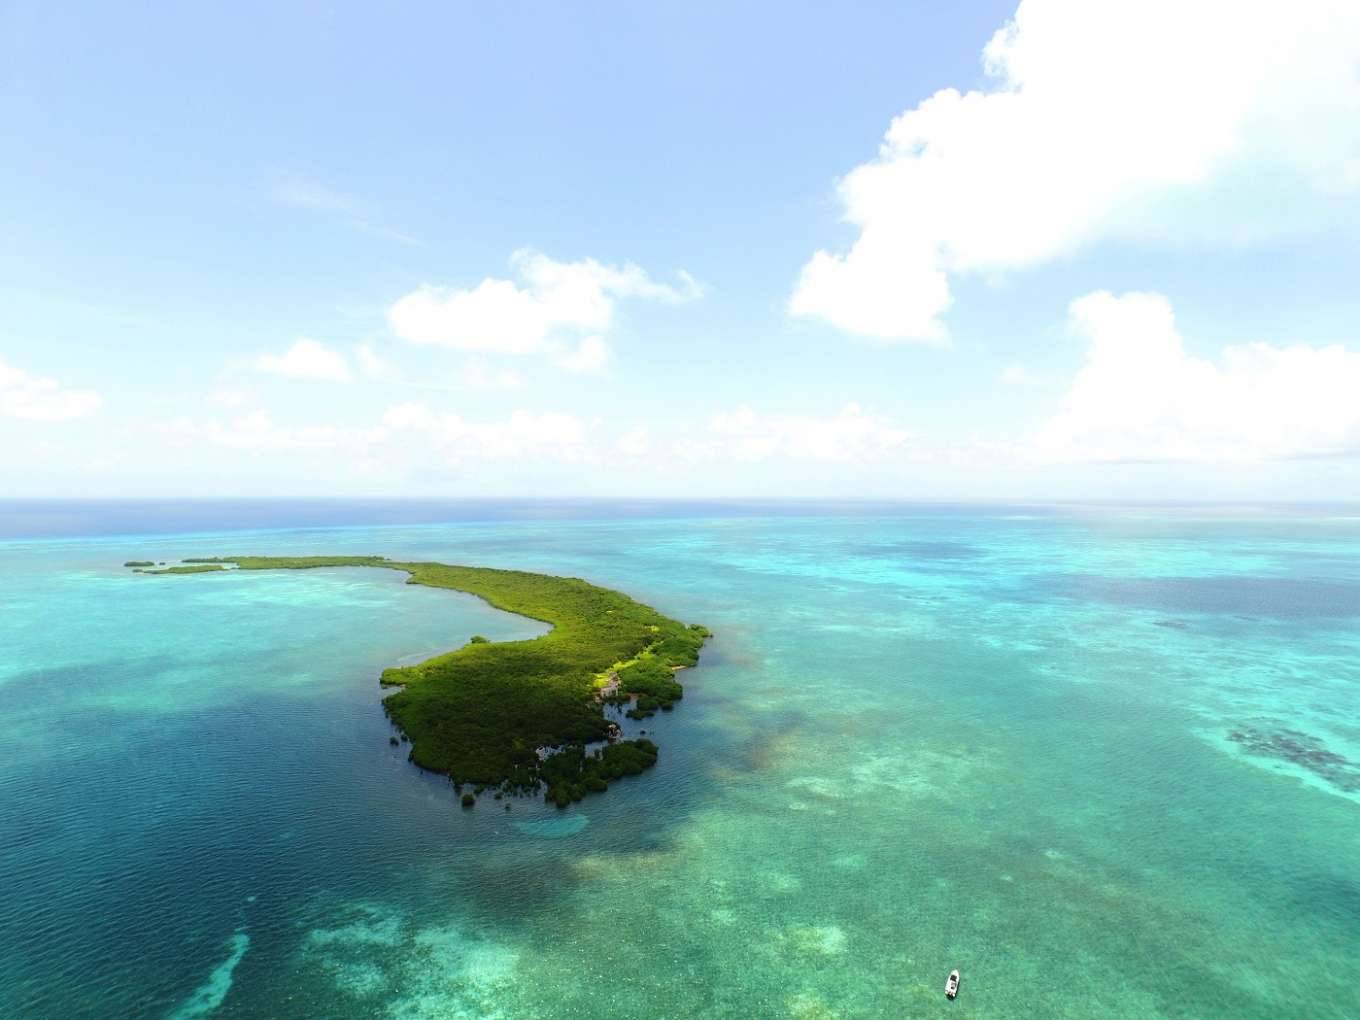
186	568
516	716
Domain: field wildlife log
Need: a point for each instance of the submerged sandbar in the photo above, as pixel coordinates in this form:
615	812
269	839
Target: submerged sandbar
516	716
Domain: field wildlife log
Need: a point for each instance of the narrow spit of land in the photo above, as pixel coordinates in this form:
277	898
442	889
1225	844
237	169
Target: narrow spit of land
517	716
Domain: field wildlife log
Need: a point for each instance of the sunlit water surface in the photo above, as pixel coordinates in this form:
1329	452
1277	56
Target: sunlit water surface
1106	761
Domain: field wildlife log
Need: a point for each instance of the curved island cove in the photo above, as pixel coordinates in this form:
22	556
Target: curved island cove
517	715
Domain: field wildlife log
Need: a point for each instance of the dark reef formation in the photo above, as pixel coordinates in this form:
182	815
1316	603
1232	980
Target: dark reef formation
1300	749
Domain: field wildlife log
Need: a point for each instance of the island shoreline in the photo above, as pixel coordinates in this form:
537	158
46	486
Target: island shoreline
514	717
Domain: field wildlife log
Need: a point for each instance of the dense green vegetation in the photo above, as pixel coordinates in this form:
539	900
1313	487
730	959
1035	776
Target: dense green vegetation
140	563
652	679
517	715
571	773
189	568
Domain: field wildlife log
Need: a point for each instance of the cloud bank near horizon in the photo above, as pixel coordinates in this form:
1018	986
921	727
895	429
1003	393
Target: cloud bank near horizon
1156	123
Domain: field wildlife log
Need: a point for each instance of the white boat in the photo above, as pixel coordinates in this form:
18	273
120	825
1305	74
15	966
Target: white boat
951	987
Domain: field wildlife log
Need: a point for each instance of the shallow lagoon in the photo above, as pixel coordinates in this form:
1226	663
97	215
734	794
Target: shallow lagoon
991	738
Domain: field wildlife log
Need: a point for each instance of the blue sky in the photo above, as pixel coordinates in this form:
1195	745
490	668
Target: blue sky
1065	250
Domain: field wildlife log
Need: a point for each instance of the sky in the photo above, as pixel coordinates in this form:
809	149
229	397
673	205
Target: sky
1070	249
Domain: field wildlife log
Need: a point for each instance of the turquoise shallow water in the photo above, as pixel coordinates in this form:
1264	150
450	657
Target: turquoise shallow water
1106	761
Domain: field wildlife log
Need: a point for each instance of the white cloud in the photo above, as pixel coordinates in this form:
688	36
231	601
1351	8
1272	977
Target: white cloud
478	375
524	434
306	359
304	194
1215	121
38	398
552	302
373	365
257	430
1142	397
1018	375
409	432
228	398
852	435
589	358
299	193
635	442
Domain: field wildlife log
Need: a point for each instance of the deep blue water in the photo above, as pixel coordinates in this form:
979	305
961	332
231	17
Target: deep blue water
1105	760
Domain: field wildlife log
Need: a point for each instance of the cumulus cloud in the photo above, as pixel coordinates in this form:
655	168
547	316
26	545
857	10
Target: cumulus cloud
1018	375
228	398
525	434
478	375
852	435
411	429
589	357
257	430
1141	396
373	365
635	442
1214	121
548	305
39	398
306	359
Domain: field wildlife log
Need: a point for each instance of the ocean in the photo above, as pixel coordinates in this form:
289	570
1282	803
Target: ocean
1104	760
